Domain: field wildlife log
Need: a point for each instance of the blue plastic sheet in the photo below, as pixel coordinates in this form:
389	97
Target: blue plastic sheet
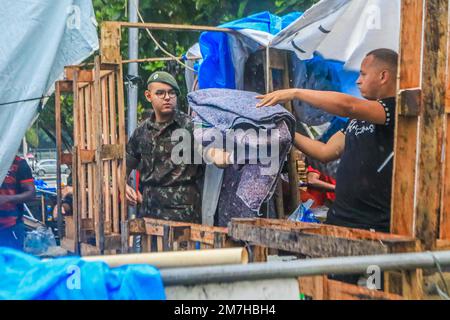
217	70
24	277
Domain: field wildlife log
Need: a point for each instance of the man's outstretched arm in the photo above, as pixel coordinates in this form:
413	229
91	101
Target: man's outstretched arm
336	103
324	152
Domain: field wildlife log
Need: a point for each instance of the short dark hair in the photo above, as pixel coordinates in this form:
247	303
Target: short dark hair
386	55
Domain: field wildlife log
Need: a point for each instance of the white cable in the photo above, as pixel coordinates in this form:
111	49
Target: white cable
160	46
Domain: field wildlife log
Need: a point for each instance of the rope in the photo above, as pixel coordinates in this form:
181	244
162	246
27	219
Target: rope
160	46
24	100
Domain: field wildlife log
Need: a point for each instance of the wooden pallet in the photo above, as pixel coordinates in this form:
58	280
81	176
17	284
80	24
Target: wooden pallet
98	224
162	235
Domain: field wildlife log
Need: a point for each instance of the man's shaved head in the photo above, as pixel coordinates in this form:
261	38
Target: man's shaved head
387	58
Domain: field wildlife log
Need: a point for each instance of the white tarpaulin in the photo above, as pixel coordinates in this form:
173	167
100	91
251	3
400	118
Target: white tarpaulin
343	30
37	39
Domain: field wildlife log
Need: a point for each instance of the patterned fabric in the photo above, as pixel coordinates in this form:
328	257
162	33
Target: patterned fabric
226	108
244	188
19	174
170	190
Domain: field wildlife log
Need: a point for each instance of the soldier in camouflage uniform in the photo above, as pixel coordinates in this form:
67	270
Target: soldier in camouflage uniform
170	191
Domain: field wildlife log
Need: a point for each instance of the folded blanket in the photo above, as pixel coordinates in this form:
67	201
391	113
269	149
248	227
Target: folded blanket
226	108
245	187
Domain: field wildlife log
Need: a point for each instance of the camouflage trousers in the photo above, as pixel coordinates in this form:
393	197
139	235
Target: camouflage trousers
179	203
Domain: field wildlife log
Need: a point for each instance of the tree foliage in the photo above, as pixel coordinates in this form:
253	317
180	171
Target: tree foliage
190	12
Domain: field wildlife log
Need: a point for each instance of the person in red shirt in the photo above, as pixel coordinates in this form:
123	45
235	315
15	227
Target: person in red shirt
16	189
320	188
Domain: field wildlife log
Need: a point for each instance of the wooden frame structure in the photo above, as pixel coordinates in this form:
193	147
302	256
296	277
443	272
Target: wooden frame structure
99	221
421	180
421	177
274	60
161	235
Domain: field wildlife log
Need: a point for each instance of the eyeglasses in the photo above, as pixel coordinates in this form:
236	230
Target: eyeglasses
162	93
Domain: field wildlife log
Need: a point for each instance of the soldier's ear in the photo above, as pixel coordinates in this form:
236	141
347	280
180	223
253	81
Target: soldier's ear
148	95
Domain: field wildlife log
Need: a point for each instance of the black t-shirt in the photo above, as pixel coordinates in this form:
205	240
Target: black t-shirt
363	184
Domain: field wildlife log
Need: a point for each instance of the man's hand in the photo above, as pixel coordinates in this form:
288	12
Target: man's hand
219	157
133	197
276	97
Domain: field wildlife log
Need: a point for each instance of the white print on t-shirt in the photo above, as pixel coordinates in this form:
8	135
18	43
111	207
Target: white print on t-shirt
360	128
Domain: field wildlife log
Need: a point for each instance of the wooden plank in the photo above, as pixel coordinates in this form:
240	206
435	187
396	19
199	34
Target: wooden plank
405	141
66	86
75	193
89	250
68	244
314	287
83	74
180	234
323	229
81	143
58	159
77	102
321	288
110	42
343	291
87	224
70	231
113	242
444	222
409	102
313	245
292	157
87	156
172	27
159	244
98	172
137	226
106	142
157	59
260	254
89	97
442	244
146	243
432	122
122	139
111	152
114	165
154	230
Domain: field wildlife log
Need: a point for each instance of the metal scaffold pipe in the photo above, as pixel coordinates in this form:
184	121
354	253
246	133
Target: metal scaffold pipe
308	267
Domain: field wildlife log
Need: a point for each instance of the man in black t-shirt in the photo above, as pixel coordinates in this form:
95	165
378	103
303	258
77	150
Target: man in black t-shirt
365	145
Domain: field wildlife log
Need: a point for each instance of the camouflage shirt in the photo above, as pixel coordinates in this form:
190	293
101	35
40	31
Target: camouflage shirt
170	191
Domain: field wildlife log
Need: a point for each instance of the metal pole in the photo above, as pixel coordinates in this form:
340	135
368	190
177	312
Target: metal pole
133	73
309	267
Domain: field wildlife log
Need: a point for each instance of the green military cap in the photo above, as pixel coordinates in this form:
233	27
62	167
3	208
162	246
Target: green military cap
163	77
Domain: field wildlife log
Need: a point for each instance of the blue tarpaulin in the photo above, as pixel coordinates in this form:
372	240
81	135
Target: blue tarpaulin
25	277
217	70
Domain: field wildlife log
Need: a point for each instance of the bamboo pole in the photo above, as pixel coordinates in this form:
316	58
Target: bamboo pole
177	258
156	59
172	27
